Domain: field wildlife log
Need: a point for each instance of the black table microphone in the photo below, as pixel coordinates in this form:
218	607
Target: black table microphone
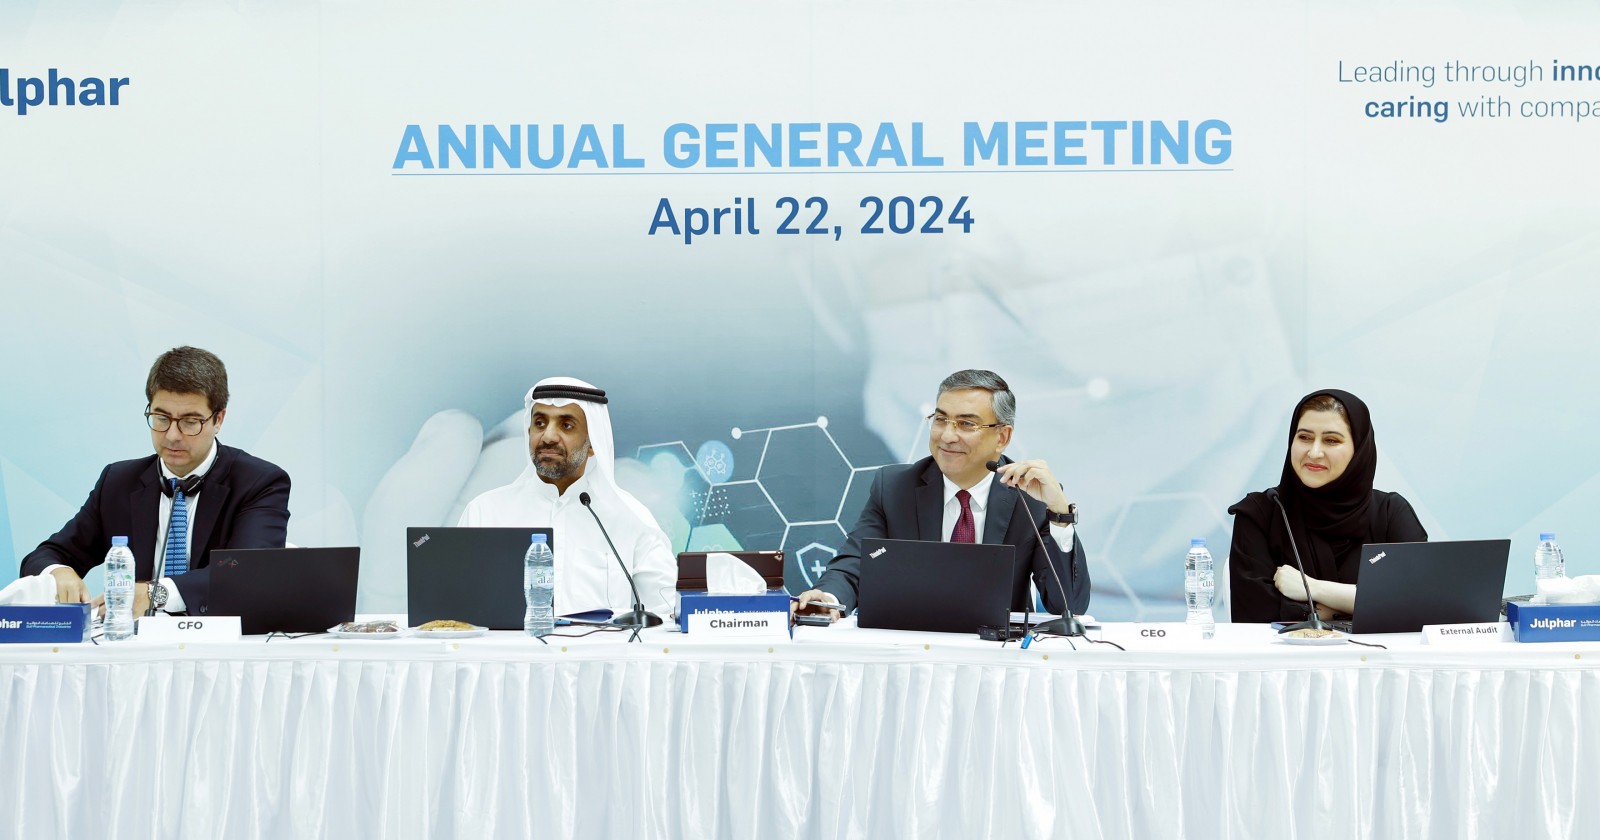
639	618
1314	622
1068	624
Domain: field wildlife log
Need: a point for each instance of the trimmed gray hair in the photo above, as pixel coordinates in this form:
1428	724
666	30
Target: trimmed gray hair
1005	402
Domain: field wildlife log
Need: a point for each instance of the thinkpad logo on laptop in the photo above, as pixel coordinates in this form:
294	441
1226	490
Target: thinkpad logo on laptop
878	552
1377	558
418	543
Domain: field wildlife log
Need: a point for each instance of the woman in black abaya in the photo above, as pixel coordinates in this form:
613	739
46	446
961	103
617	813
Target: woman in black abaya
1326	489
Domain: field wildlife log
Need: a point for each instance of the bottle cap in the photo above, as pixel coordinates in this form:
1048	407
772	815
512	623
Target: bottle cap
540	538
1547	537
1197	542
119	542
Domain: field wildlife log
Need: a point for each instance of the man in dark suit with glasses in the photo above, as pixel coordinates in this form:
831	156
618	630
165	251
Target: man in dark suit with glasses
950	496
192	496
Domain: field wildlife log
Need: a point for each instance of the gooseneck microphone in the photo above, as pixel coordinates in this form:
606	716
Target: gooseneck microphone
1068	624
1315	622
638	619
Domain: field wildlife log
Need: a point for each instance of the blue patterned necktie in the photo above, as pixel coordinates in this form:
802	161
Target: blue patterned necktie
177	558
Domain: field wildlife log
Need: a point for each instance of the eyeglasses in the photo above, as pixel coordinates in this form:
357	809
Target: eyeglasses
190	426
965	427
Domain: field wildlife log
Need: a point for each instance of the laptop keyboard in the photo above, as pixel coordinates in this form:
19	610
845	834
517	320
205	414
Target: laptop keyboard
1344	626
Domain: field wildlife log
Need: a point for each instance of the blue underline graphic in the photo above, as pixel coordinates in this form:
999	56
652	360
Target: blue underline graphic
545	173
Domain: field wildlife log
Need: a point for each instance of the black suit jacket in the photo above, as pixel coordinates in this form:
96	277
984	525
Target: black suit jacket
907	503
244	503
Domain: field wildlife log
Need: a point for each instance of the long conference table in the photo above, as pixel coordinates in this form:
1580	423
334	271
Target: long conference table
844	732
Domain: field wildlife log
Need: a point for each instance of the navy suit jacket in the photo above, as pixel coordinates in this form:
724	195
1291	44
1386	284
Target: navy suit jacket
907	503
244	503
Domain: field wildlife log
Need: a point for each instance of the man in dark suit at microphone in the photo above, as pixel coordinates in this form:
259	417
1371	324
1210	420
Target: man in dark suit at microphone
194	495
951	496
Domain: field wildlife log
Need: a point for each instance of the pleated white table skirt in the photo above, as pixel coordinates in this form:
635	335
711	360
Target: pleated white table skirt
844	733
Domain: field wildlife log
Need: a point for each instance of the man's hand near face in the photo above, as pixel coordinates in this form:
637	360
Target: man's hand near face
1035	478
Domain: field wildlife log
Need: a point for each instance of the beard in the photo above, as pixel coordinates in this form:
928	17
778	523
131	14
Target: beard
569	463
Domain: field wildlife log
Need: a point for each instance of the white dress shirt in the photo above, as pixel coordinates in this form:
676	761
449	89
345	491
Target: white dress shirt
164	516
980	511
587	575
191	504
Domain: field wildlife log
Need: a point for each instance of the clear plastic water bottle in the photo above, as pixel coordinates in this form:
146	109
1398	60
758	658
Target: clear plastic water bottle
1547	560
1199	584
539	587
119	591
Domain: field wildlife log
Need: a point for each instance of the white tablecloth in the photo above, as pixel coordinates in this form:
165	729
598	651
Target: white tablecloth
843	733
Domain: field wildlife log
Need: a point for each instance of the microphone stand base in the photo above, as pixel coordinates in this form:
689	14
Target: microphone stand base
1310	624
637	620
1064	626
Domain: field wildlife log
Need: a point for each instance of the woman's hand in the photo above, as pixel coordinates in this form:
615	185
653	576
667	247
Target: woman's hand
1287	579
1337	598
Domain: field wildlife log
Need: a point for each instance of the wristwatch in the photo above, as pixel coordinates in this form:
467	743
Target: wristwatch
1068	518
158	597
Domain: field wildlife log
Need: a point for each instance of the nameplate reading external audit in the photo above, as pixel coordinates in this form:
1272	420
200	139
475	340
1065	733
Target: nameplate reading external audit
1152	634
183	628
1478	633
740	625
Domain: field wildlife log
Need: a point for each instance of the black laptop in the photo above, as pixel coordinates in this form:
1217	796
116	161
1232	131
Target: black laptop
284	590
939	586
468	574
1403	586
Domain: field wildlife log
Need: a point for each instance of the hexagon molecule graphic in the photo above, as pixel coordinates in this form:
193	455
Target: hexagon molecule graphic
794	499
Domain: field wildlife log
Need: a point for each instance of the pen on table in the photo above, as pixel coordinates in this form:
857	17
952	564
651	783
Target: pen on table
827	605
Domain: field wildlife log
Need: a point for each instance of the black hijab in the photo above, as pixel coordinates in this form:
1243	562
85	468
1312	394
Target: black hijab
1328	518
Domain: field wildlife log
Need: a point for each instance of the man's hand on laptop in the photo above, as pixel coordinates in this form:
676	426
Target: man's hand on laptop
817	601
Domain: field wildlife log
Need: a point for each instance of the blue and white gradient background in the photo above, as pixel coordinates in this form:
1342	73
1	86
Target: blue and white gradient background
1156	326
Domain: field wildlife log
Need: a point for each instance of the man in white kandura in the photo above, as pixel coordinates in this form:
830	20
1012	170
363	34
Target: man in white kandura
570	454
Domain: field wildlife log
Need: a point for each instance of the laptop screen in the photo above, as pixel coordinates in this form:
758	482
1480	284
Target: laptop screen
938	586
285	590
1403	586
468	574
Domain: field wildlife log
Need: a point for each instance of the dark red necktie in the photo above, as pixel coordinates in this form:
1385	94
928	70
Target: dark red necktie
965	531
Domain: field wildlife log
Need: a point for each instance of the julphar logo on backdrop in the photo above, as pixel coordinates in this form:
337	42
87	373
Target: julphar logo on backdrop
56	90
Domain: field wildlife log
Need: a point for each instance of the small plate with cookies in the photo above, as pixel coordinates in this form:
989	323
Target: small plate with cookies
382	629
445	628
1314	636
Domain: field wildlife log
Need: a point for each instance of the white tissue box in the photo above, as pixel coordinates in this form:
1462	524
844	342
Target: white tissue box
1554	622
